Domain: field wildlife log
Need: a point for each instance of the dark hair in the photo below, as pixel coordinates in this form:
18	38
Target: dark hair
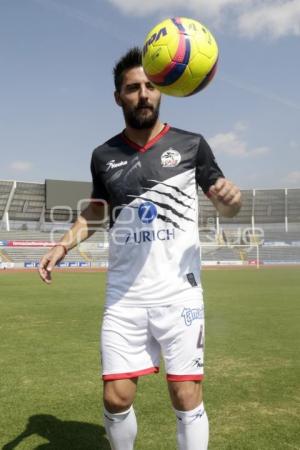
133	58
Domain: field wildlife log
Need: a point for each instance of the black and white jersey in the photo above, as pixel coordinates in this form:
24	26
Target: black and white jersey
154	256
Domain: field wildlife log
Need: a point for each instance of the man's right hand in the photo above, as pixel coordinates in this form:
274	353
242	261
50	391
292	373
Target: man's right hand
49	260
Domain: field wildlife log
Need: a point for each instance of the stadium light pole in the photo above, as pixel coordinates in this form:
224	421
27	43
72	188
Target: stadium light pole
286	210
252	214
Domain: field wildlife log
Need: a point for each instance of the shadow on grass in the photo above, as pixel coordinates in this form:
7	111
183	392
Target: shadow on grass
62	435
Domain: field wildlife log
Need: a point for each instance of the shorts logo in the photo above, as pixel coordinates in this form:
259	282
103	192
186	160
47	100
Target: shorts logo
147	212
197	362
170	158
190	315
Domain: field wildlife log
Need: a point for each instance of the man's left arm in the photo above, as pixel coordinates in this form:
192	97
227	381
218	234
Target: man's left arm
226	197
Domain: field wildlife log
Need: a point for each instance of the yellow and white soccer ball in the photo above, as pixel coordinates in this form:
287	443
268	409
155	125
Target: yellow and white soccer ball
180	56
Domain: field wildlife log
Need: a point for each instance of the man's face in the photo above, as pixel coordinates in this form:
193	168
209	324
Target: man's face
139	99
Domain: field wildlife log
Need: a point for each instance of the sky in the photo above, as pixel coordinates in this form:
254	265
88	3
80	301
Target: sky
56	87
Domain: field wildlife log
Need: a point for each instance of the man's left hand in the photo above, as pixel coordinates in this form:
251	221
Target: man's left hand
226	197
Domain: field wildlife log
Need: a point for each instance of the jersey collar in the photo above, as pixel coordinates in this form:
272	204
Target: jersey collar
149	144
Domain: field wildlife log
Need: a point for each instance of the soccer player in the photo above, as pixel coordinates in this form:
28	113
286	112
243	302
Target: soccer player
148	175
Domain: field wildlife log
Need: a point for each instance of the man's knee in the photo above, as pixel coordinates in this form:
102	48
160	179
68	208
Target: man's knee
118	395
185	395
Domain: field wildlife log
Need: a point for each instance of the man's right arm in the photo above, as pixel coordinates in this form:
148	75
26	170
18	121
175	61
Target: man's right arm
89	221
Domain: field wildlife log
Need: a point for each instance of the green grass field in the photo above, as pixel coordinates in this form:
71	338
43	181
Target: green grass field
50	389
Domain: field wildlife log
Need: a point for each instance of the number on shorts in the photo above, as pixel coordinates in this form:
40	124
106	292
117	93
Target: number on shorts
200	342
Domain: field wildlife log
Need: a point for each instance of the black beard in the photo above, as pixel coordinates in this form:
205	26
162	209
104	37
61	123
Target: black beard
138	122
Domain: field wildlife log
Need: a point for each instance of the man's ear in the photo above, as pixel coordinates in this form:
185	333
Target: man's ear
117	98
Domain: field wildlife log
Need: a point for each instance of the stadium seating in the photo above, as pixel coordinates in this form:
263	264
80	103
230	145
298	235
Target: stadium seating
268	218
28	202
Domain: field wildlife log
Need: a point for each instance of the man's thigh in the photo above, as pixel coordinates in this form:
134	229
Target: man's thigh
185	395
118	395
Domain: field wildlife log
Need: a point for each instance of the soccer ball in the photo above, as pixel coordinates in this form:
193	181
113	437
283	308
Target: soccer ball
180	56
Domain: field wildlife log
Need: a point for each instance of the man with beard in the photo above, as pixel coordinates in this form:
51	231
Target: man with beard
148	175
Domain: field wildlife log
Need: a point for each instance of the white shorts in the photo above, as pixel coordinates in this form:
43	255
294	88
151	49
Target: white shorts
133	339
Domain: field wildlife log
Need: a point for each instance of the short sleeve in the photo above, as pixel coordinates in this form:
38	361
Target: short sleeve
207	169
99	191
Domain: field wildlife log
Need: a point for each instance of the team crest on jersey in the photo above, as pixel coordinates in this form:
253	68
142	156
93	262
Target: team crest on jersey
170	158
